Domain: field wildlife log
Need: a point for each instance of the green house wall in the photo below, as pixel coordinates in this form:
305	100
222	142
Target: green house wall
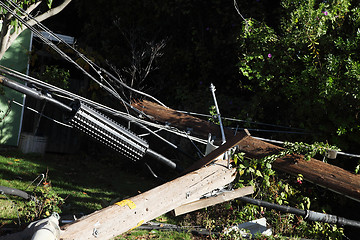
16	57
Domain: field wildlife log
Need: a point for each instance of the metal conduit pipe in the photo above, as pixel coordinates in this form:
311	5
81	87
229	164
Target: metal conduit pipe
307	214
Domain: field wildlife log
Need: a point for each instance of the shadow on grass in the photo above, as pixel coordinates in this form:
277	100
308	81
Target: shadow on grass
87	184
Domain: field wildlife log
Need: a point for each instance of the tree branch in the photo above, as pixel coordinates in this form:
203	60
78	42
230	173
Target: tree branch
5	33
32	7
7	39
49	13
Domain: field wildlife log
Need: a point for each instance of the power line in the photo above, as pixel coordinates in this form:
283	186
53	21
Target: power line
238	11
240	120
280	142
42	115
94	66
108	87
271	131
71	96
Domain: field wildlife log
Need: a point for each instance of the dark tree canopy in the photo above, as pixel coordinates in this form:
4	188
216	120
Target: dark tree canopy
308	81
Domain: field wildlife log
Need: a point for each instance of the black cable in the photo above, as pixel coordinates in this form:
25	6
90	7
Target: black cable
14	192
95	67
307	214
278	207
97	106
108	88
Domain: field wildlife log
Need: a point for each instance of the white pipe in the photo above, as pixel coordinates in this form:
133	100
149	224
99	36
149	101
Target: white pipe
46	229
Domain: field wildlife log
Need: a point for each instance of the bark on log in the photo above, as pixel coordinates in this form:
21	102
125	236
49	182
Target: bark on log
318	172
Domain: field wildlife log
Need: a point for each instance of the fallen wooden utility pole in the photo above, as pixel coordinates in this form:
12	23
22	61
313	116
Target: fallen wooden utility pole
318	172
130	213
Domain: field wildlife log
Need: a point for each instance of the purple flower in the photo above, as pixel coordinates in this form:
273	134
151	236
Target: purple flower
325	13
269	55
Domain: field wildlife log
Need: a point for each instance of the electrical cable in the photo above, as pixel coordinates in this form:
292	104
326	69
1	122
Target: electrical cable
307	214
196	147
153	173
238	11
52	88
91	103
281	142
96	105
269	131
239	120
60	52
114	93
147	134
95	67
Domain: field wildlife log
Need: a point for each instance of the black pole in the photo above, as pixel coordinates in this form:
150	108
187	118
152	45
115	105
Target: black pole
164	160
97	126
33	93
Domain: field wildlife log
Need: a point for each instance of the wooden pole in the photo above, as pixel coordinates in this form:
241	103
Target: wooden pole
318	172
131	213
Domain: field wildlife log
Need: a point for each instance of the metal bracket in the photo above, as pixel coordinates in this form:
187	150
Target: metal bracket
95	232
212	88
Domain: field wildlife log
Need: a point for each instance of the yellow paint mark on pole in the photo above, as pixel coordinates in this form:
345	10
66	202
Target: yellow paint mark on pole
138	225
126	202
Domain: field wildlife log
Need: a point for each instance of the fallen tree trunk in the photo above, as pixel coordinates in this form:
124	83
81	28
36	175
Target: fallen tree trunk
318	172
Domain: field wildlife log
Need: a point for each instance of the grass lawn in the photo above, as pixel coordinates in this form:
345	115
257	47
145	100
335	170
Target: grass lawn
86	184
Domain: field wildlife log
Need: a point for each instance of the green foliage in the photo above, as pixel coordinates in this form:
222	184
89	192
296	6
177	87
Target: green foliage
284	190
56	76
24	4
49	3
279	188
47	201
84	186
154	234
357	168
306	67
309	150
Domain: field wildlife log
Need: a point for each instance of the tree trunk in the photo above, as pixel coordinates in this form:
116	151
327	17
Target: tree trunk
6	39
318	172
4	36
